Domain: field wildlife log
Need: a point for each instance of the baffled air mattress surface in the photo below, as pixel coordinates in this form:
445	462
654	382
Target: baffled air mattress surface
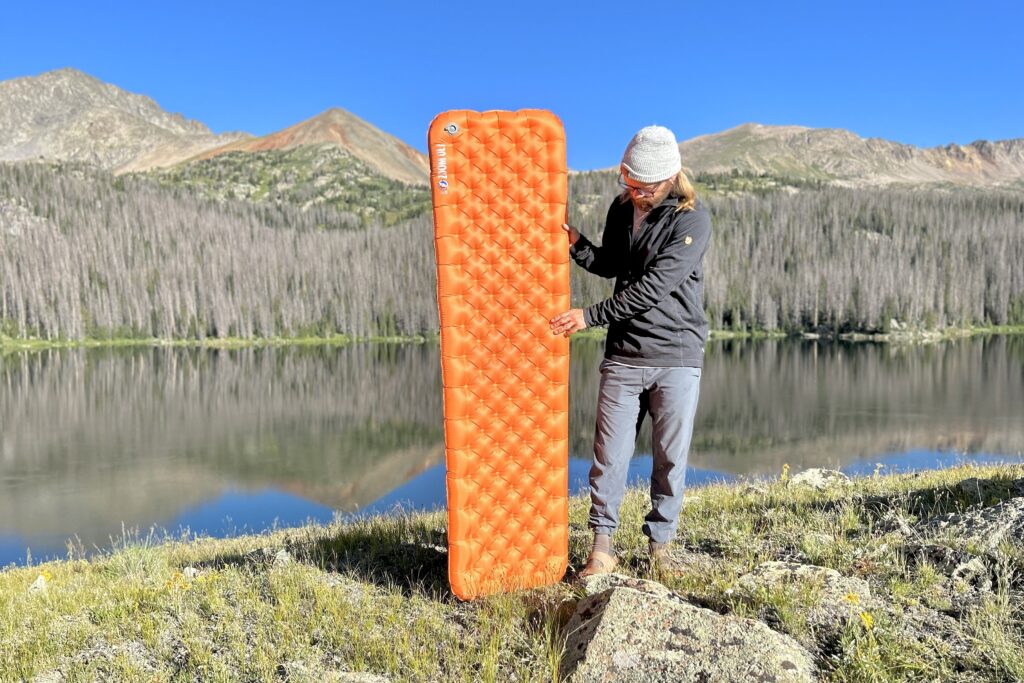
499	189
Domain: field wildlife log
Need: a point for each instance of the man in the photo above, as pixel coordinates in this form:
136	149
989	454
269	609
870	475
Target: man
655	237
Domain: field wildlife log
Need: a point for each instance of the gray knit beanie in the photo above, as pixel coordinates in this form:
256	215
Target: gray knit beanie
652	155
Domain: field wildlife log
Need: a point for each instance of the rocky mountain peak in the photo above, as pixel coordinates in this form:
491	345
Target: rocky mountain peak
69	115
382	151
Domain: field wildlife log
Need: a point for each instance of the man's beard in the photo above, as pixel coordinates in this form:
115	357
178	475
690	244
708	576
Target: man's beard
644	204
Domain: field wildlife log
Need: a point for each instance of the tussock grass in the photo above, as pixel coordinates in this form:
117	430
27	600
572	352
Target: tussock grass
372	595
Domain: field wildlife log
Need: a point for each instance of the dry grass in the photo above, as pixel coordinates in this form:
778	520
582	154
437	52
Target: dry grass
372	595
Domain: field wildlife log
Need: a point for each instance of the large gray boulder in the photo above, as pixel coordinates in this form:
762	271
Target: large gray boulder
635	630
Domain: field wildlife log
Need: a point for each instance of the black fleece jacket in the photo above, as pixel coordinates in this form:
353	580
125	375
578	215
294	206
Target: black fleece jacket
656	315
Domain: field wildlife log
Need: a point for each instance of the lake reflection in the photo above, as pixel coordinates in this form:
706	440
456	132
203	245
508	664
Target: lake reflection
228	441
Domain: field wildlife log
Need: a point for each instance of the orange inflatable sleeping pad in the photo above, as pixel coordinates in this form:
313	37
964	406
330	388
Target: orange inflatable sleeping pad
499	187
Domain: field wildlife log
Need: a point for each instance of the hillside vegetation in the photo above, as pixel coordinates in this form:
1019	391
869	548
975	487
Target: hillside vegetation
84	254
307	176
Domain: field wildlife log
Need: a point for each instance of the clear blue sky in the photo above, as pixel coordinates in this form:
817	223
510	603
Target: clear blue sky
926	73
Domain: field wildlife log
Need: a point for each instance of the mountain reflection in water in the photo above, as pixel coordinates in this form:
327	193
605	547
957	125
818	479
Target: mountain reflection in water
226	441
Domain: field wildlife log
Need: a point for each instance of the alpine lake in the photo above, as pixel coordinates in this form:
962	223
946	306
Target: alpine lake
101	444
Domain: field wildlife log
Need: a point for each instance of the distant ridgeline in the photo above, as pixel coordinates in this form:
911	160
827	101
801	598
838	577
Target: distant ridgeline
274	247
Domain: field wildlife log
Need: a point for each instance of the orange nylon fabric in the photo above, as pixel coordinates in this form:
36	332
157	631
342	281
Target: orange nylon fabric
499	187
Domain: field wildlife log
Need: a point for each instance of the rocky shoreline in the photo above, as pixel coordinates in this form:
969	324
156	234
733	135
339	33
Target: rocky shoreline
629	629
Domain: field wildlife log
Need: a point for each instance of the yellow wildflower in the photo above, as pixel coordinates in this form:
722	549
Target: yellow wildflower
176	581
867	620
853	597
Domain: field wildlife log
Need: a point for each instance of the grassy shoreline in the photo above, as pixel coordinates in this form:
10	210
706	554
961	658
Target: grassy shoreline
371	595
910	336
17	344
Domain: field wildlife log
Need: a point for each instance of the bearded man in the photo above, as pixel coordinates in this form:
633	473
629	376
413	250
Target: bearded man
655	236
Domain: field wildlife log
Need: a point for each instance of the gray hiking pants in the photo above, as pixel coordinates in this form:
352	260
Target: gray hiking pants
672	396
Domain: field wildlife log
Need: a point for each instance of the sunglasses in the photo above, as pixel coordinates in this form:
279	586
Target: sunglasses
640	190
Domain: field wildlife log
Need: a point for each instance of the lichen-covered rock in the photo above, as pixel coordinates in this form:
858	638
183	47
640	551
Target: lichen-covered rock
967	578
985	528
942	633
103	658
983	573
893	521
301	671
39	585
841	599
833	585
819	479
598	583
756	488
354	677
638	631
975	572
828	600
49	677
943	558
680	560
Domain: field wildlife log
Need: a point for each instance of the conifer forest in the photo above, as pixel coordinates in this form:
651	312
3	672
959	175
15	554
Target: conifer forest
85	254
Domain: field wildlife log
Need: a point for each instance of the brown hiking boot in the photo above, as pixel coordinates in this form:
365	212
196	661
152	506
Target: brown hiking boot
599	563
660	557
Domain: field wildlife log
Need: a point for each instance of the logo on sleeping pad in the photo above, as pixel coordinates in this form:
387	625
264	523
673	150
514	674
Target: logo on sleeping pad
441	167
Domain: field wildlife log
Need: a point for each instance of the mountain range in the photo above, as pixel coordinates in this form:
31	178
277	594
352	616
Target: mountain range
842	157
69	115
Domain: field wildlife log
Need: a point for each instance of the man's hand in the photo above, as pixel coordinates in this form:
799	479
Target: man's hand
573	233
567	323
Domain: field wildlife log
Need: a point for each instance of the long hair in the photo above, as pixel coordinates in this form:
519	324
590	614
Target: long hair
683	189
